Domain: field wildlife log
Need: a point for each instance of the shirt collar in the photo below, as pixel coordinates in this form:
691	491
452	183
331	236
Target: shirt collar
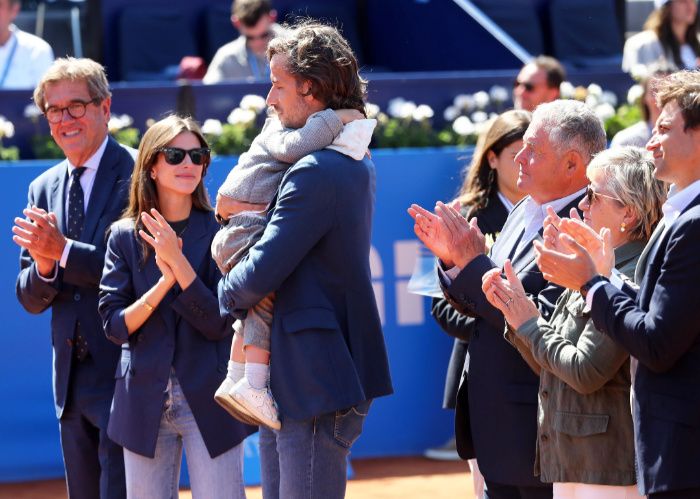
93	161
678	200
532	209
506	202
13	34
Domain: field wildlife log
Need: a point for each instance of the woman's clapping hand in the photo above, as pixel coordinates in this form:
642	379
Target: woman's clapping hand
508	295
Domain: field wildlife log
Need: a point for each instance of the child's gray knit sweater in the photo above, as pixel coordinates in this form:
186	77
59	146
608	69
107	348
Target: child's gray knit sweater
257	176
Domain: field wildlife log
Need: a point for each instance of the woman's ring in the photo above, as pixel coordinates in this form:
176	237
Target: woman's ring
508	302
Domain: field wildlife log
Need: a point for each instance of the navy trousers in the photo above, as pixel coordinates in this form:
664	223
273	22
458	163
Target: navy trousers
94	464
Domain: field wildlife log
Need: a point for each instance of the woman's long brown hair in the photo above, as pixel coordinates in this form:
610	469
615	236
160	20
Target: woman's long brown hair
143	194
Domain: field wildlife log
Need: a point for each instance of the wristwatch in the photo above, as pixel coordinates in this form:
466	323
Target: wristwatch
592	282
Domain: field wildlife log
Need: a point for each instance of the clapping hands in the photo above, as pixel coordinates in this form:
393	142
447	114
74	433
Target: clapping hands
446	233
508	295
164	241
572	252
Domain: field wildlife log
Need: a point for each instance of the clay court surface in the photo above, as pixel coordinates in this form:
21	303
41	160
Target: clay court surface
404	478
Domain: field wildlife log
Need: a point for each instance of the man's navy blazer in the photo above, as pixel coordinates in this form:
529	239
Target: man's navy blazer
327	345
660	327
491	219
184	332
496	410
72	296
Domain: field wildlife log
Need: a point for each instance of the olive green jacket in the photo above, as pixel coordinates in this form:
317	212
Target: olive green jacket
585	431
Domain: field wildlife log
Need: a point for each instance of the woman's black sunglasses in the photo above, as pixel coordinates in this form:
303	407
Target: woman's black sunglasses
175	155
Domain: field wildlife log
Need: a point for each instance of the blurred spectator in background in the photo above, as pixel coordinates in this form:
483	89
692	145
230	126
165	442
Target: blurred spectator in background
538	82
245	56
24	58
639	134
489	192
669	40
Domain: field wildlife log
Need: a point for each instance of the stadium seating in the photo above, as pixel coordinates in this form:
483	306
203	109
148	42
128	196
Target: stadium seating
218	29
519	19
585	33
152	41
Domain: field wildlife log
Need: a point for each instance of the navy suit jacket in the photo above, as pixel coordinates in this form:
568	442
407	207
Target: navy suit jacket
460	326
327	346
72	297
185	332
660	327
496	410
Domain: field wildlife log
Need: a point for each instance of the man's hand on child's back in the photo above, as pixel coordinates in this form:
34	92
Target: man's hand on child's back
348	115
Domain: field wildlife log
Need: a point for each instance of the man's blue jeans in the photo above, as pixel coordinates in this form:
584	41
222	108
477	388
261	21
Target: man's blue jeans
307	459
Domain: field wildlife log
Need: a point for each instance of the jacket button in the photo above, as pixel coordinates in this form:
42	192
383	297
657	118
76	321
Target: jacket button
544	438
545	394
76	297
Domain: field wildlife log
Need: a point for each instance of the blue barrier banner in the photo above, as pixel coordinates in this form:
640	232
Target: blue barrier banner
402	424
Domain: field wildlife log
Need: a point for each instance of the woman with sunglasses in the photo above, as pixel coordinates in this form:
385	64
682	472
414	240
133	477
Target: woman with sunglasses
585	435
158	301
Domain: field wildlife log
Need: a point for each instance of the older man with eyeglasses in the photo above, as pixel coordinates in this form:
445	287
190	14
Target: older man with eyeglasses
538	82
69	210
245	56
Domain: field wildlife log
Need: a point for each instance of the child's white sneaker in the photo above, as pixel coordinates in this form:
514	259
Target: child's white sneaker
257	402
224	397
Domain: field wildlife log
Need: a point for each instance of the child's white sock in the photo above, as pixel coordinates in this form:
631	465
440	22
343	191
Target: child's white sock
235	370
257	374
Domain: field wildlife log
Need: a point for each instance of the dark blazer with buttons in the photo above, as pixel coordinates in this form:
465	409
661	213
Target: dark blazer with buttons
184	333
660	327
72	296
491	219
495	417
327	345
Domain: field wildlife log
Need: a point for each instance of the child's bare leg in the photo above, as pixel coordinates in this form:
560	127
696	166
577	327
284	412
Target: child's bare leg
236	364
257	343
237	350
256	354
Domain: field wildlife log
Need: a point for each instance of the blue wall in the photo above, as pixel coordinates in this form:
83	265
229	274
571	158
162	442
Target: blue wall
402	424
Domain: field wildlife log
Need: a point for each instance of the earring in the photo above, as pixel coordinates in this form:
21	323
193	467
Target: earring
622	227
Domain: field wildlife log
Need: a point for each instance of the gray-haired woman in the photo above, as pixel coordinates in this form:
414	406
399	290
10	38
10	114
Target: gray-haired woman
585	435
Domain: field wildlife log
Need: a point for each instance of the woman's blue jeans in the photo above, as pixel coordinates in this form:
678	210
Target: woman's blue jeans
158	477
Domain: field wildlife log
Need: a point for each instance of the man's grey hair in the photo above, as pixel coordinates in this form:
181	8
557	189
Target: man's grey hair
628	174
571	124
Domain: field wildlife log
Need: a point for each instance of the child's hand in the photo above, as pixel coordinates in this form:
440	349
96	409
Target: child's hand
348	115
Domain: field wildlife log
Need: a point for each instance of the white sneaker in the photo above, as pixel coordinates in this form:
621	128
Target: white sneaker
224	398
257	402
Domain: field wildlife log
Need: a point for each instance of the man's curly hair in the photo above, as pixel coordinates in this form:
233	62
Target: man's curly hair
319	54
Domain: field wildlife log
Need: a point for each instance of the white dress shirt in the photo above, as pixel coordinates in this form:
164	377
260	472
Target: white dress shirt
87	180
532	217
